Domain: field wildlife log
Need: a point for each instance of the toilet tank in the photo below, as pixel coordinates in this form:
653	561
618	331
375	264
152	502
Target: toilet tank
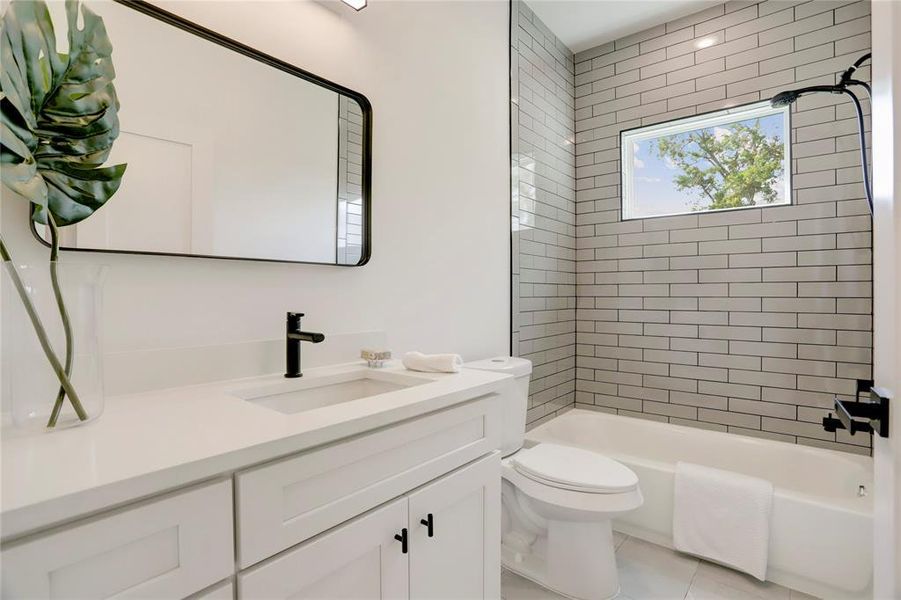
514	397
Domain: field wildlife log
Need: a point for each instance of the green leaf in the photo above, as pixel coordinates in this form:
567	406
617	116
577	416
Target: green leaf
729	171
74	194
59	112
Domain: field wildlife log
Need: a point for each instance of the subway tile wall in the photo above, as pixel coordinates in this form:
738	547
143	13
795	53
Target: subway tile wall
350	181
744	321
544	211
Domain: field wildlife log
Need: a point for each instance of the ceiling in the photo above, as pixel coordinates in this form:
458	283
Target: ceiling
584	24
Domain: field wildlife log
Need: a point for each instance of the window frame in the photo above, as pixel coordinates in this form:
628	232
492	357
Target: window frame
708	119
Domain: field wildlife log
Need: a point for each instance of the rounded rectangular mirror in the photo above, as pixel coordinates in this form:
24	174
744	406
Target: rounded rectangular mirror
231	153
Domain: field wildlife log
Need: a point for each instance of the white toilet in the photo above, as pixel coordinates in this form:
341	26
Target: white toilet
558	502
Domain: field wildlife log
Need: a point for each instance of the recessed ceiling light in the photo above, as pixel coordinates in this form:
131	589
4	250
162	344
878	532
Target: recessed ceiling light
701	43
355	4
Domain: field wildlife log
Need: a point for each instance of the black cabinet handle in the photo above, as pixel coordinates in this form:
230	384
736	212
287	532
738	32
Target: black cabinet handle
402	538
430	523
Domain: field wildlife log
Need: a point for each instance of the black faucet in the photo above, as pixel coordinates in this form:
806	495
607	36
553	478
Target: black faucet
294	336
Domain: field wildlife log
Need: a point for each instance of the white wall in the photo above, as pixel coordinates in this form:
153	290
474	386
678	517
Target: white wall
437	76
887	290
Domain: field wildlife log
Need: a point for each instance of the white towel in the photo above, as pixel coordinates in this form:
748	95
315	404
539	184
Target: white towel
433	363
723	516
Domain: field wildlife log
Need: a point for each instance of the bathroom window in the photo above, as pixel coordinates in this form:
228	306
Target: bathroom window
725	160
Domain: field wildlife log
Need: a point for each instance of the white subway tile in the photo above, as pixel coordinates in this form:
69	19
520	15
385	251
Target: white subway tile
766	409
700	345
665	66
726	21
797	59
729	361
799	273
730	246
782	289
826	34
751	392
729	333
700	400
796	28
729	304
763	230
772	288
783	380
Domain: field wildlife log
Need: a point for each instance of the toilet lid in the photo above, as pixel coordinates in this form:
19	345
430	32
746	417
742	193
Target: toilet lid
574	469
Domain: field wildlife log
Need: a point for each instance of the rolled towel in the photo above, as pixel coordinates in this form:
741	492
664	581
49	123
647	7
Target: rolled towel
433	363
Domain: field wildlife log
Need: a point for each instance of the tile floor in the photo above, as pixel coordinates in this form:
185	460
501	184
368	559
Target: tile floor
651	572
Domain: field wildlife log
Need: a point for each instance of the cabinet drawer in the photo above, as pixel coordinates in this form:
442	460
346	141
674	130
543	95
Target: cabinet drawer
165	548
289	501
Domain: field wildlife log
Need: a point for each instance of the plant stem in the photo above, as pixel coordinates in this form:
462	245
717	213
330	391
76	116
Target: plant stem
64	316
40	331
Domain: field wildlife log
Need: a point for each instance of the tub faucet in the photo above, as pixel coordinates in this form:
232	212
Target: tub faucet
293	337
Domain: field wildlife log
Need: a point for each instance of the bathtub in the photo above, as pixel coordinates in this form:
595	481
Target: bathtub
822	527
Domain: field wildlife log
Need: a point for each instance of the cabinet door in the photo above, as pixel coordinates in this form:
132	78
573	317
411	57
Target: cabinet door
462	557
358	560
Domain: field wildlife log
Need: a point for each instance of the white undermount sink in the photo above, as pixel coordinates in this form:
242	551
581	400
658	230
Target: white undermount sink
291	396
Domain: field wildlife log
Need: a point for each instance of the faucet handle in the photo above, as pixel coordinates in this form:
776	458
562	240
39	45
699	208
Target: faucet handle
292	323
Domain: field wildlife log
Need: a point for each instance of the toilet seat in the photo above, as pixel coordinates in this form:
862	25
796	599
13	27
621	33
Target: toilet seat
575	469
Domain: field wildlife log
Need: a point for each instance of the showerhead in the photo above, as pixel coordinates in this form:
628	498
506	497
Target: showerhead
788	97
784	99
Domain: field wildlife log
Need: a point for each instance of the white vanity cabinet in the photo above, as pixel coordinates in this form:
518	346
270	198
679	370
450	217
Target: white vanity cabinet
387	552
347	518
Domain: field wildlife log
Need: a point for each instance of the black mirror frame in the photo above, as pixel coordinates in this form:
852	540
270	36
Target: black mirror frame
172	19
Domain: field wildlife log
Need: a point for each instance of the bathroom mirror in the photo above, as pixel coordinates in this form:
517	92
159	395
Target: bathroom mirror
231	153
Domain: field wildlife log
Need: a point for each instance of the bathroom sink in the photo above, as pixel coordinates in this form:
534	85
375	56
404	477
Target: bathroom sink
291	396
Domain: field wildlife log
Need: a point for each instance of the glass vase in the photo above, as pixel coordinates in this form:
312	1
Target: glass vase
30	386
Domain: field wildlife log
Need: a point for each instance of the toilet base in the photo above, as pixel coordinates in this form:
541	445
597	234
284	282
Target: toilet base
581	559
574	559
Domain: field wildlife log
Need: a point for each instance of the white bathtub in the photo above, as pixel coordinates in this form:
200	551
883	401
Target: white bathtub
822	529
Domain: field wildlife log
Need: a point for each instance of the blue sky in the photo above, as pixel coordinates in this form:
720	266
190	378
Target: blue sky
654	192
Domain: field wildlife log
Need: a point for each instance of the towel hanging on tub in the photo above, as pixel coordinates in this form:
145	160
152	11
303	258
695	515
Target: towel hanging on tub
723	516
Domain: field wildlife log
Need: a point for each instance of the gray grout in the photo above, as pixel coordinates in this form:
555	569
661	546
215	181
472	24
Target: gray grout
816	249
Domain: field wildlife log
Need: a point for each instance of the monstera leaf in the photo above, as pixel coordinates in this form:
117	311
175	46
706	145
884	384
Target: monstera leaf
59	112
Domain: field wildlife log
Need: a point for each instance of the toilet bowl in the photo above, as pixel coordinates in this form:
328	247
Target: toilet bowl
557	502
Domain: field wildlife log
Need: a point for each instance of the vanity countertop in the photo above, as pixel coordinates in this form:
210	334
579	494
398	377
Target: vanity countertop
154	441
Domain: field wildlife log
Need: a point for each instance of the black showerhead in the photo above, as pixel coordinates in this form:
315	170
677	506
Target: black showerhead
788	97
783	99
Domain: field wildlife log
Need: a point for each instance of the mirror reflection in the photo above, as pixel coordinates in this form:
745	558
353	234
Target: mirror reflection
228	155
